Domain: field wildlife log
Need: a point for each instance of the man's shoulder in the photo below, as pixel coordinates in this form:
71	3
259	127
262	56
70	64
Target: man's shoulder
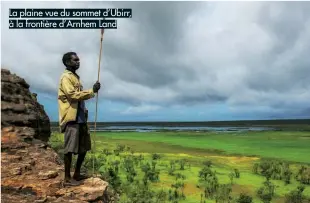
67	77
66	74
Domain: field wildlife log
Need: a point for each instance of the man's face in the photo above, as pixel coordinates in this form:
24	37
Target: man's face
74	62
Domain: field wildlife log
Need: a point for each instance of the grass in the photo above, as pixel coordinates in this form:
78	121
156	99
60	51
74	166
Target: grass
227	151
289	146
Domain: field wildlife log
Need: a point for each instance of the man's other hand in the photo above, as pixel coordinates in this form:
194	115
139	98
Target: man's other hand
96	87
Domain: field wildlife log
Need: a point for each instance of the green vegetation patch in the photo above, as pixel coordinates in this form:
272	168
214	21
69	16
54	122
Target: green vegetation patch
202	167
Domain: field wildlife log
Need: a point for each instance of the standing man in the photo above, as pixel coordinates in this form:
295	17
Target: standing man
73	116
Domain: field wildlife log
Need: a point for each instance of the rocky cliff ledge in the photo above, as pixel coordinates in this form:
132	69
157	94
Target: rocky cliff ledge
31	171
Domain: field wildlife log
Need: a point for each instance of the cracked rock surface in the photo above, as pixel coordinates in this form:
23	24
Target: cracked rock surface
31	171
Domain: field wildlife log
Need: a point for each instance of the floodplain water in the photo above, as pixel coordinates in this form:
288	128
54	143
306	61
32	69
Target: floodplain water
144	128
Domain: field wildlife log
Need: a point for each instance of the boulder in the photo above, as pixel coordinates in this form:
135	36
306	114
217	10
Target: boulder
20	109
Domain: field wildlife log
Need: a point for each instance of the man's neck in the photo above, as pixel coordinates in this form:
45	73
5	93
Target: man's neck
73	71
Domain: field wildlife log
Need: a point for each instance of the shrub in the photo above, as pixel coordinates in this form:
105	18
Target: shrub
237	173
266	192
156	156
243	198
223	194
295	196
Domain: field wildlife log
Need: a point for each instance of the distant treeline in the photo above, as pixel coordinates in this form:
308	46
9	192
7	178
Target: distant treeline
241	123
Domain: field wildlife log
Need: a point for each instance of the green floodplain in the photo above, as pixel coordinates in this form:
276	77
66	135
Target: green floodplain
209	166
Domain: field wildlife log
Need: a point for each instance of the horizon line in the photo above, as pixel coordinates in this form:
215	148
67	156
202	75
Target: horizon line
275	119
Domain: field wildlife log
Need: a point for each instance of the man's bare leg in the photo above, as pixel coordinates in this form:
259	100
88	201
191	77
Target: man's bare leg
77	174
68	159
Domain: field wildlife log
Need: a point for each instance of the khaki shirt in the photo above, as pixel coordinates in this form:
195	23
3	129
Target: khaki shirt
69	94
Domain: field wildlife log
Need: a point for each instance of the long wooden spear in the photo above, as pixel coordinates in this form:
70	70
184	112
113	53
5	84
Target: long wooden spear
95	125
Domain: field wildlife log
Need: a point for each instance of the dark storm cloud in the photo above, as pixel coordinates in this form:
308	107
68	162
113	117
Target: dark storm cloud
150	62
286	65
204	98
253	56
161	23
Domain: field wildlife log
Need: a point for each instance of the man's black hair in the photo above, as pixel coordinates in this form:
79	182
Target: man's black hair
67	57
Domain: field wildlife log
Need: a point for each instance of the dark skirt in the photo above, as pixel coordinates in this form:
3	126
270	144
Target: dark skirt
77	138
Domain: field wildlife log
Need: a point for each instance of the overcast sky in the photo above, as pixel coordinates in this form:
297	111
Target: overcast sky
182	61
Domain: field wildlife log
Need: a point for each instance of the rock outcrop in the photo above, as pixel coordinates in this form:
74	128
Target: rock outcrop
19	109
31	171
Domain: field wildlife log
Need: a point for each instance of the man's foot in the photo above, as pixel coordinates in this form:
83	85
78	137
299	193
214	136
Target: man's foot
79	177
70	182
